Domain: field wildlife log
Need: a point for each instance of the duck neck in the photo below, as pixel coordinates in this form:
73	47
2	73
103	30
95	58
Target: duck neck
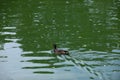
54	46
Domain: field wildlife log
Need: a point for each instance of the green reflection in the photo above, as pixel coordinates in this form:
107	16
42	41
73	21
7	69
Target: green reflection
75	24
44	72
36	55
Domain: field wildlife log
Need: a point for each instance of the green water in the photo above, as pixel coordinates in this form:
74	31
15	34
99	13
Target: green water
88	29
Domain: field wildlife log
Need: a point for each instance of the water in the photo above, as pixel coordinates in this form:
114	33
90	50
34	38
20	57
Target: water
89	29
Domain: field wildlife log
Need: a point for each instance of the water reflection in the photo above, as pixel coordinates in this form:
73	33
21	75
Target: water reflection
47	63
89	28
100	62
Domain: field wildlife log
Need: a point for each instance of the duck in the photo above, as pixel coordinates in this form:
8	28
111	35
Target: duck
59	51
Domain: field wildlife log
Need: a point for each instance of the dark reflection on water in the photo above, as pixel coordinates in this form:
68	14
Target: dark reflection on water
88	28
51	62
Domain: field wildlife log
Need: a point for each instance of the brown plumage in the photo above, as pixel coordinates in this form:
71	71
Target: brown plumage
58	51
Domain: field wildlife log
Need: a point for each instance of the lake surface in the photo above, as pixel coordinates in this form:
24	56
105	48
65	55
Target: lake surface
88	29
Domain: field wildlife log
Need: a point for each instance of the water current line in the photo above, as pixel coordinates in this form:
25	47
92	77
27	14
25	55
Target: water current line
81	64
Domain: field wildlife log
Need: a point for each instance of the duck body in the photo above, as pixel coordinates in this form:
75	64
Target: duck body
59	51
